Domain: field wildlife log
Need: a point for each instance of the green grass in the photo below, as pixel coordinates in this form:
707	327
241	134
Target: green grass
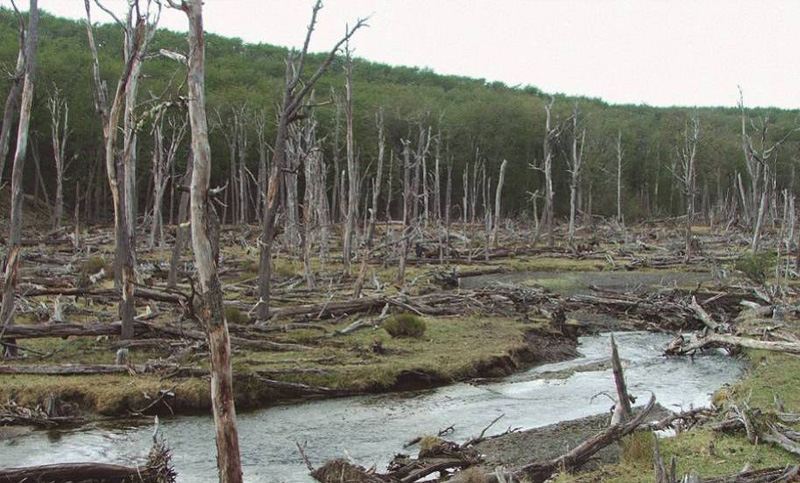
451	349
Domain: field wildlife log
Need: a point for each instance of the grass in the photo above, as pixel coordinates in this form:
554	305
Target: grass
451	349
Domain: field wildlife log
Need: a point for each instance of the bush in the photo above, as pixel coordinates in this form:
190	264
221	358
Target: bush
93	265
405	325
235	316
756	266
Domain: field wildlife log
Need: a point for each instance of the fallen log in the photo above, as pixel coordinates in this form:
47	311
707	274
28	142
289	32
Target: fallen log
765	475
141	293
704	316
158	469
681	346
40	331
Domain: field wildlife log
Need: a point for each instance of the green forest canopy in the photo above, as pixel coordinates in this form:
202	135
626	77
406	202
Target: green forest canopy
503	122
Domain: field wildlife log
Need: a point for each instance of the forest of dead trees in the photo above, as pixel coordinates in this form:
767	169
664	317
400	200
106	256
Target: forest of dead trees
333	177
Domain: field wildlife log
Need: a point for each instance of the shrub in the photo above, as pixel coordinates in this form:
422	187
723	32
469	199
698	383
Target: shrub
756	266
405	325
235	316
93	265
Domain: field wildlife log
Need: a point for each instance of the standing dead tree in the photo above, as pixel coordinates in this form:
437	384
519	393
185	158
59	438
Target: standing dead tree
497	197
551	134
352	169
14	93
574	167
205	241
292	106
59	130
757	163
407	224
163	161
687	155
620	153
260	121
15	235
138	29
376	183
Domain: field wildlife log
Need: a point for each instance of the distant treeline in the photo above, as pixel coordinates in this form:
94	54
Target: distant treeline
474	117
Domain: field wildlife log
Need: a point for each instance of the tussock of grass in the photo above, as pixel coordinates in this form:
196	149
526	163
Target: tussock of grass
405	325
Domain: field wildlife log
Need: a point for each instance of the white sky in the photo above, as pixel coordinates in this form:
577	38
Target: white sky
667	52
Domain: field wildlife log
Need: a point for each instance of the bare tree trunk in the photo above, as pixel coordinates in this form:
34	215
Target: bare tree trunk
213	314
688	155
122	171
15	235
12	100
352	169
376	188
448	194
407	195
497	198
59	130
181	230
575	172
336	206
619	177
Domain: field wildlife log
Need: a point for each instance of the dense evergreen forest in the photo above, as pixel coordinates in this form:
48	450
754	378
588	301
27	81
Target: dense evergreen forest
473	118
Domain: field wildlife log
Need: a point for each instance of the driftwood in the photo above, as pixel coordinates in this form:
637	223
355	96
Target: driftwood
680	346
765	475
158	469
141	327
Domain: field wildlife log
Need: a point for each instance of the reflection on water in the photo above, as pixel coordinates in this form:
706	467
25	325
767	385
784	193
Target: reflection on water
372	428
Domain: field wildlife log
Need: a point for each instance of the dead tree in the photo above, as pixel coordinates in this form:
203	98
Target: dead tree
138	29
59	130
352	169
687	155
757	163
15	228
376	184
497	197
574	167
12	99
263	168
163	160
551	134
181	231
407	224
203	220
295	92
620	153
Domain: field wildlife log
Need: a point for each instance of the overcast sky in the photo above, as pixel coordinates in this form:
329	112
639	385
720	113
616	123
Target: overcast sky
670	52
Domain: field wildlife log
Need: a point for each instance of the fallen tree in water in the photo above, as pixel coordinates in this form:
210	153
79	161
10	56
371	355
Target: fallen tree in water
157	469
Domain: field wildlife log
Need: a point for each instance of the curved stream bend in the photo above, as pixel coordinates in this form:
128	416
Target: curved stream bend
372	428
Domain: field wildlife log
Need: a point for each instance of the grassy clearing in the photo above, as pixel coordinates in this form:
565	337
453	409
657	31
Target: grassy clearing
367	360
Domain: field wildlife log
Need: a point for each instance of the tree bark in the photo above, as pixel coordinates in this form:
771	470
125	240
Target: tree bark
497	198
212	314
15	236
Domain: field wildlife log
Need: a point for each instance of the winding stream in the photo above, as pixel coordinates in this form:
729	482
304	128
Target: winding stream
372	428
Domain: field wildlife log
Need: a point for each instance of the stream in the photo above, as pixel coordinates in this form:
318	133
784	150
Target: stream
370	429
